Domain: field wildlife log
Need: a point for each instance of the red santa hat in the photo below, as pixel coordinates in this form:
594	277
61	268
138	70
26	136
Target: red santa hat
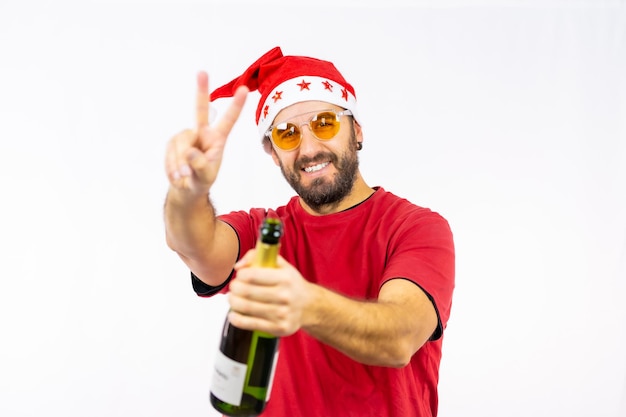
286	80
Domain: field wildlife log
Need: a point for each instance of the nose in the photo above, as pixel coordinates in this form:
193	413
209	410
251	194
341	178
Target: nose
309	144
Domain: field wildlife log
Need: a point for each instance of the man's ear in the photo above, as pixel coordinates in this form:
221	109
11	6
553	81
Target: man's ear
358	131
268	147
274	156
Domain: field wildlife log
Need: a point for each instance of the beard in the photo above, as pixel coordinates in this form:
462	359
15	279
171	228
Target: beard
323	192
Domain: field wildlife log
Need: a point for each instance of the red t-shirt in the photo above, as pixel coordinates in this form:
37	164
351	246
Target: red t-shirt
354	253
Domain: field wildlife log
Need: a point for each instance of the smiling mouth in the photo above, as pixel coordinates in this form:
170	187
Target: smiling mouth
315	168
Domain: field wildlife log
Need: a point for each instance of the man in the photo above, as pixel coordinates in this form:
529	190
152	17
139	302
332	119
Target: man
364	283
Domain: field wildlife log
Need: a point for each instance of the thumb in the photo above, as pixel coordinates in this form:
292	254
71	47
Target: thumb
246	260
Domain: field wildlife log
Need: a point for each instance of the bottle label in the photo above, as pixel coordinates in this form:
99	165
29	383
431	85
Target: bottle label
229	377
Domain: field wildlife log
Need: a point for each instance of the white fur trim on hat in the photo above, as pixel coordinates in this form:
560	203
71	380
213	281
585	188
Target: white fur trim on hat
304	88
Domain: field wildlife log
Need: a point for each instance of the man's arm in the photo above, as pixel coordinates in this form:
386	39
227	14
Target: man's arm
385	332
192	160
208	246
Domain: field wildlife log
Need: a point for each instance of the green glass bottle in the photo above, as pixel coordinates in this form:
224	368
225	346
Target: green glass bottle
246	360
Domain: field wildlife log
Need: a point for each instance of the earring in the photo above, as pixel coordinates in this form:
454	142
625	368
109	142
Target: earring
359	146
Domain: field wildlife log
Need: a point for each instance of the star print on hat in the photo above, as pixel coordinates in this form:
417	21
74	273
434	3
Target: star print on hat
286	80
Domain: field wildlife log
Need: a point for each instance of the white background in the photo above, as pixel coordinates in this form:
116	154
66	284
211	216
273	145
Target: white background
508	118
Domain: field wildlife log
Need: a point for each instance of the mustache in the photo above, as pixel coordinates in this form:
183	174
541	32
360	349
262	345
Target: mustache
316	159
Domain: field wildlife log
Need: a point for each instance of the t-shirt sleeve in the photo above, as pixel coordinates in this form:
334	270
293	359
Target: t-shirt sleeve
423	252
205	290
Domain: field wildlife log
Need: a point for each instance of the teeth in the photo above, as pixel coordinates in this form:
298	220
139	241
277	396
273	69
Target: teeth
316	167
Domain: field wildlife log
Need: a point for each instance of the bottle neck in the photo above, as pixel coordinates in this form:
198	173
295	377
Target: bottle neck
266	254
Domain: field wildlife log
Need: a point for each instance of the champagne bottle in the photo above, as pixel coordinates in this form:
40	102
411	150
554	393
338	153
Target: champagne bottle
246	360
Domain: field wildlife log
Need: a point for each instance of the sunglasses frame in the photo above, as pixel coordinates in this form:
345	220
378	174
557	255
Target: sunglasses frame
268	132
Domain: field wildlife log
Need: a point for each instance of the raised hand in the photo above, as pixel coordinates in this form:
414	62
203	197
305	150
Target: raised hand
193	157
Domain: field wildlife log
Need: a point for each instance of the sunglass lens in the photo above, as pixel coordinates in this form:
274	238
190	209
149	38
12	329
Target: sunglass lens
325	125
286	136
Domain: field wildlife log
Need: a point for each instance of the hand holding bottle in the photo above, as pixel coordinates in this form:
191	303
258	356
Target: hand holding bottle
269	300
193	157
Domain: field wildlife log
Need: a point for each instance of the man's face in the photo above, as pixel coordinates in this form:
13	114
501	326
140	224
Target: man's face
322	172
